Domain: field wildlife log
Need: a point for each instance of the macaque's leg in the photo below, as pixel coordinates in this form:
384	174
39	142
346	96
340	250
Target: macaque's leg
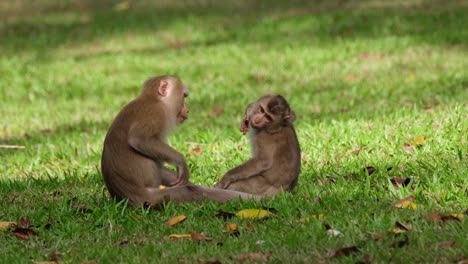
192	192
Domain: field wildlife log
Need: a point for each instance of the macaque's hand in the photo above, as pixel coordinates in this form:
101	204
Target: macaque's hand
244	128
182	175
224	182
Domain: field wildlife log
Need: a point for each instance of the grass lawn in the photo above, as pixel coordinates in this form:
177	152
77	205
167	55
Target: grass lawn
378	84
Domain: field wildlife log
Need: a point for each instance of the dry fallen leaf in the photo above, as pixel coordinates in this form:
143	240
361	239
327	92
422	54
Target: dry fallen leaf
230	227
418	141
253	213
444	244
162	187
401	228
307	219
175	220
399	181
197	151
24	233
408	148
6	225
224	215
200	237
438	217
122	6
346	251
406	203
217	110
254	257
369	170
178	236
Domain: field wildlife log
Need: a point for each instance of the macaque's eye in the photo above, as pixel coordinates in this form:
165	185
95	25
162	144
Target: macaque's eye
262	110
268	117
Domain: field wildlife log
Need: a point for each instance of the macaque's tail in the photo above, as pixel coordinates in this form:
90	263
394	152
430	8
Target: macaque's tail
192	192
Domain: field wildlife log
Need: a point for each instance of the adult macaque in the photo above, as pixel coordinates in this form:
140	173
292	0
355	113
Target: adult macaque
276	160
135	150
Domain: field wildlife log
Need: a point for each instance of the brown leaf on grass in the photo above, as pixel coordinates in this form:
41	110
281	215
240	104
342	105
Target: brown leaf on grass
224	215
24	233
45	262
406	203
56	256
349	78
346	251
7	225
400	181
408	148
121	243
444	244
254	257
367	258
211	261
217	110
200	237
175	220
444	218
82	208
401	228
197	151
318	200
177	44
376	236
369	170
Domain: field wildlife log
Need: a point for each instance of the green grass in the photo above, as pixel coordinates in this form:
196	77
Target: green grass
369	75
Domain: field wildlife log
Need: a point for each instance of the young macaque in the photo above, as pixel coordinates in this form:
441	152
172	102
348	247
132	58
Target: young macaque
135	150
276	159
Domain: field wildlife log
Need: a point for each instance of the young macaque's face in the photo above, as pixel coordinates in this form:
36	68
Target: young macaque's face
269	112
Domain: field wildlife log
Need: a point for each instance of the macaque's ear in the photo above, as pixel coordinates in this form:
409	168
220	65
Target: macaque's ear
162	89
290	117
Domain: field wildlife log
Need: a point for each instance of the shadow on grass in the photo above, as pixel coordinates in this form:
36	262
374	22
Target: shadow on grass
265	22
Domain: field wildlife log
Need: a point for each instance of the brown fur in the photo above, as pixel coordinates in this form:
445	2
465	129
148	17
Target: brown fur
135	150
276	159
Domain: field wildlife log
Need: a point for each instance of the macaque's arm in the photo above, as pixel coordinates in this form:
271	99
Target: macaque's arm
158	150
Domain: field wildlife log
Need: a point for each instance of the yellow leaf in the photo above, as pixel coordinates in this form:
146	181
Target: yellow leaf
407	204
319	216
162	187
230	227
6	225
177	236
458	216
253	213
411	76
175	220
307	219
122	6
418	141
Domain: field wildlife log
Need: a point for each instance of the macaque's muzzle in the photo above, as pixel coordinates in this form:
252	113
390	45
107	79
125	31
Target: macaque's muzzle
183	114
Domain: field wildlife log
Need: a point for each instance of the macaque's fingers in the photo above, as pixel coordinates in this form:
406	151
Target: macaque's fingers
182	176
245	125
